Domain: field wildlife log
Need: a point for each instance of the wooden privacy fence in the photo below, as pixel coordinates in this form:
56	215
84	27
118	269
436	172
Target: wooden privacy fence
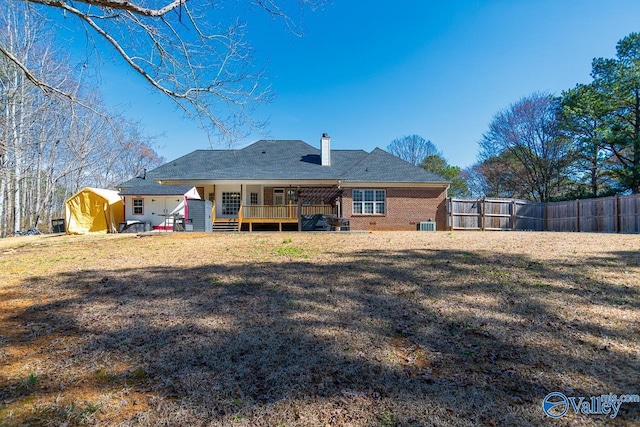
495	214
616	214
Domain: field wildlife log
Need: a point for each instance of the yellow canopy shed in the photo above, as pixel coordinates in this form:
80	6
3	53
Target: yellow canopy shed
93	210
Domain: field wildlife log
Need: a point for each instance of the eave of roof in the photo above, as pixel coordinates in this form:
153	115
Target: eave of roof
157	190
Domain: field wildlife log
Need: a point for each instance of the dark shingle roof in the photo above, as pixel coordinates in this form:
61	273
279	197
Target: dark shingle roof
288	160
380	166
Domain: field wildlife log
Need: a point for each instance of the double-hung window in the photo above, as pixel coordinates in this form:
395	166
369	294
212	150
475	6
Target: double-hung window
369	202
138	206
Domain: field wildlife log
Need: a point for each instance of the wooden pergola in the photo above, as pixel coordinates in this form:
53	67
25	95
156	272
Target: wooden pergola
310	201
311	195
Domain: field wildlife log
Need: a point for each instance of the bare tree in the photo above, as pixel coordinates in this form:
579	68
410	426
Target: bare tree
21	107
48	146
182	48
527	134
130	153
413	149
500	176
476	182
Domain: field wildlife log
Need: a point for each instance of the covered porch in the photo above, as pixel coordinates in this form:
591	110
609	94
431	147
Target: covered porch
298	205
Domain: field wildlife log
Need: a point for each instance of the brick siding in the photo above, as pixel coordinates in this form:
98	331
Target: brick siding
406	207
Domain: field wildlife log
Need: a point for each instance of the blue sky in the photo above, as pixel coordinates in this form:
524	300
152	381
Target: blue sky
369	72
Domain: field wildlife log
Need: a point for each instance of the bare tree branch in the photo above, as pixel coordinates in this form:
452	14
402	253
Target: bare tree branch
29	75
184	50
128	6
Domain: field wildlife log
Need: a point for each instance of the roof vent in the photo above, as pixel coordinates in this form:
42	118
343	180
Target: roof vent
325	150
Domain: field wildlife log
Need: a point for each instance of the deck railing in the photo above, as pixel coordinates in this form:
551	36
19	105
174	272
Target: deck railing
282	212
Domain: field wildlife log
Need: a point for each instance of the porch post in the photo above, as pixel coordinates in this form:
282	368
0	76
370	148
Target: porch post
299	211
339	199
243	202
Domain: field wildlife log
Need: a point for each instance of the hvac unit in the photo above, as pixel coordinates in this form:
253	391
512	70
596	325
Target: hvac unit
427	226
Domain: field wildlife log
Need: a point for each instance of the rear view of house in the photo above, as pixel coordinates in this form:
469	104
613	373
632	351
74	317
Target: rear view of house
278	183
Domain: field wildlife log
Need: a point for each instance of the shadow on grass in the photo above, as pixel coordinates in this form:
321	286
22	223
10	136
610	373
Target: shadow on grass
378	337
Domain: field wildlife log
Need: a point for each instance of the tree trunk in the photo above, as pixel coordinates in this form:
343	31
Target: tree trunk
3	211
635	167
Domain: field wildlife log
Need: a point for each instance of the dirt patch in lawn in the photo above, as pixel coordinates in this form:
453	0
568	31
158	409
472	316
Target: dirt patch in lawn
316	328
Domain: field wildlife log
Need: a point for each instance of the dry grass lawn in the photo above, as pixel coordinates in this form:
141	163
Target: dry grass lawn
270	329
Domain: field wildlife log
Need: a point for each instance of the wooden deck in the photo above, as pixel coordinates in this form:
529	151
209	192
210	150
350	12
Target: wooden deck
278	214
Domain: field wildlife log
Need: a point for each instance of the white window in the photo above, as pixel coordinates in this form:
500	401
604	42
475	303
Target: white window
254	198
369	202
138	206
230	203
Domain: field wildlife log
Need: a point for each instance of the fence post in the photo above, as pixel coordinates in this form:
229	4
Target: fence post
578	216
481	213
545	216
514	218
636	217
616	213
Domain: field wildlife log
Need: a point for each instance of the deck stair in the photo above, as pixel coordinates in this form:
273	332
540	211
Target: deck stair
224	225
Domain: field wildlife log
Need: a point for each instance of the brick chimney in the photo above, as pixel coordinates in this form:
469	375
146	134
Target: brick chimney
325	150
